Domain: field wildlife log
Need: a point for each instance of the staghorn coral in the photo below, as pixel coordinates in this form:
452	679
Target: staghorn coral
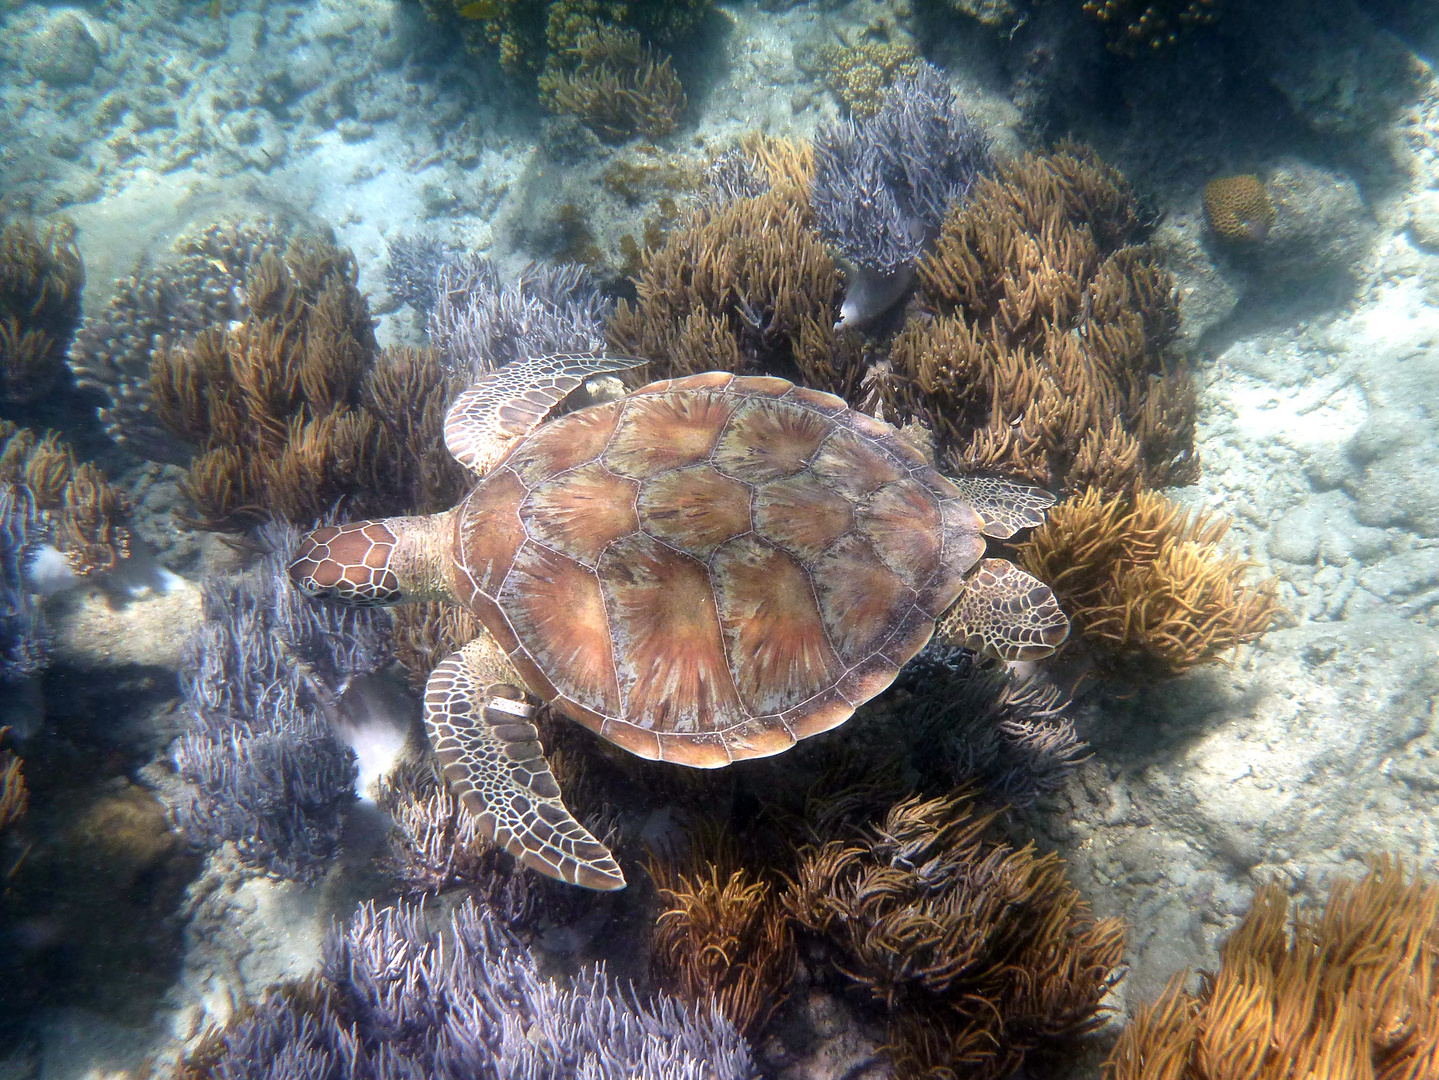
860	74
1347	992
882	187
1136	26
743	284
979	723
722	936
260	678
1238	209
981	953
14	798
74	502
1046	358
41	277
480	323
1143	580
24	636
200	285
395	999
615	85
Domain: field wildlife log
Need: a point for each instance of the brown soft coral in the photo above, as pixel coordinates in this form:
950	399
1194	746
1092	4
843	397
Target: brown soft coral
1045	360
84	510
616	85
14	798
1347	992
1238	208
41	276
722	936
981	952
744	284
287	413
1142	579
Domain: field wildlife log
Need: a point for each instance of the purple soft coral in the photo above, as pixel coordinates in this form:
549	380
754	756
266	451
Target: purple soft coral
882	186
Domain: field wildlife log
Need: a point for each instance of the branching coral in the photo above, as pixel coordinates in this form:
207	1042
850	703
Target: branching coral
882	187
413	269
1138	25
200	286
722	935
981	952
1238	208
1141	578
395	999
1347	992
616	85
744	284
41	277
260	677
74	502
1046	360
981	724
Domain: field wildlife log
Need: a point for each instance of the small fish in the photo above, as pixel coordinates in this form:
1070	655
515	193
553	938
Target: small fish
479	9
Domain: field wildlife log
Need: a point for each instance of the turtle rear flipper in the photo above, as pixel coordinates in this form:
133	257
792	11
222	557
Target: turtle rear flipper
506	405
1005	612
491	755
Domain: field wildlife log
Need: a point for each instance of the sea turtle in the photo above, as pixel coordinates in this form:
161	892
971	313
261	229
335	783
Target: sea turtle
706	570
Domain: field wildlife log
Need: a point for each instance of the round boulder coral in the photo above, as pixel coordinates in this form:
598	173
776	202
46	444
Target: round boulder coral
1238	208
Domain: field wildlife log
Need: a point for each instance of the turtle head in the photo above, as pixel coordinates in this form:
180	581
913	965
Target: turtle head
374	563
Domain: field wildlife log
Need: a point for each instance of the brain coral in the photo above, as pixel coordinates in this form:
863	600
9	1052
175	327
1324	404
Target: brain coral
1238	208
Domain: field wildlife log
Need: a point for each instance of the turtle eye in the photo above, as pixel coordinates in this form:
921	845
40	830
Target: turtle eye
348	563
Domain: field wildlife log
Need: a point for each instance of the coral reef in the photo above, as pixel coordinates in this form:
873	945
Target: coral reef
263	768
41	277
744	283
1046	359
722	936
1143	580
980	953
480	323
860	74
1135	26
202	284
1238	209
882	186
980	724
76	505
395	999
23	633
1349	991
290	411
616	85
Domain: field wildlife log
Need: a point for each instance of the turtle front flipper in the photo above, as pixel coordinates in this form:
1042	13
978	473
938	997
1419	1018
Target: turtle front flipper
1005	612
506	405
491	755
1004	506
